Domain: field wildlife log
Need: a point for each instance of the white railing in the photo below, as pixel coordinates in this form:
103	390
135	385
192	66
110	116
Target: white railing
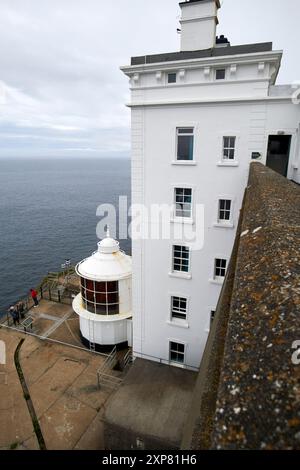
104	378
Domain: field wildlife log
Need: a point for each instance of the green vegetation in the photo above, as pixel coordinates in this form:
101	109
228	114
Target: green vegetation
13	446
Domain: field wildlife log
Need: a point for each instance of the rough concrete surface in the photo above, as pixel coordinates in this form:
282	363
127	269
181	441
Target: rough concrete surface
257	391
151	405
62	383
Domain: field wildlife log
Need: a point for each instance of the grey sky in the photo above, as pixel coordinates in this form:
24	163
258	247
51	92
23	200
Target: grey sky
61	90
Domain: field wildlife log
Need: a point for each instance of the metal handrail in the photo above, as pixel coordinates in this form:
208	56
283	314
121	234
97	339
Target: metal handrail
108	365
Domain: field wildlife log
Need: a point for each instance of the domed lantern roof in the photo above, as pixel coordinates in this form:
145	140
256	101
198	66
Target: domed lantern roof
108	244
108	263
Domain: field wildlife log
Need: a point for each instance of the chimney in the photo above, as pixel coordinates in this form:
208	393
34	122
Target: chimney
199	21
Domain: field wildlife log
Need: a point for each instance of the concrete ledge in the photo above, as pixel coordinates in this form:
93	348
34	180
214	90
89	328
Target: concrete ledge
150	408
247	393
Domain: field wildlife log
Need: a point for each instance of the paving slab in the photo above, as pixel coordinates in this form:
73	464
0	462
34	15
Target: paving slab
65	422
93	438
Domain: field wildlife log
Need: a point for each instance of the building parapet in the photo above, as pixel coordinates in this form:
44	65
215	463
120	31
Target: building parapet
201	54
248	388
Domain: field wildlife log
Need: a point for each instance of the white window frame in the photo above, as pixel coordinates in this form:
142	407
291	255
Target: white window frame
191	134
175	363
225	162
176	214
216	277
178	322
224	211
224	224
181	273
209	310
218	280
229	148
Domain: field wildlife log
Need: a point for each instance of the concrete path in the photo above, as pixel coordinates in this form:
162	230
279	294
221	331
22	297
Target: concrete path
16	430
56	324
62	383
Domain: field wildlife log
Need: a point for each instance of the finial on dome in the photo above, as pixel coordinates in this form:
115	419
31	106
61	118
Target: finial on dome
108	244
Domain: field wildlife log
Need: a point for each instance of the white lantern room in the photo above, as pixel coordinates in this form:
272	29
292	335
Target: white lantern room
104	305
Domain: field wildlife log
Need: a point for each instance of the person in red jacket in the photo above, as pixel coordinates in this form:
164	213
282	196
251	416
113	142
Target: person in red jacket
34	297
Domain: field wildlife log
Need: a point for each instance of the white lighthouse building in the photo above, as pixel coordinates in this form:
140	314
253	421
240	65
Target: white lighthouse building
199	117
104	305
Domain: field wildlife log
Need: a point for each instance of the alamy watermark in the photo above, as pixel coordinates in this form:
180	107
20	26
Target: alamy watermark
2	353
296	354
181	222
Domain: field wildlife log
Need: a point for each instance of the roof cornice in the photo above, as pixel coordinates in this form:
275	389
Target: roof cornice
212	102
269	56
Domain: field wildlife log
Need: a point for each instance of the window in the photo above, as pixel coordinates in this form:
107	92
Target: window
220	268
183	203
177	352
212	317
172	77
185	144
181	259
100	298
229	148
224	210
178	308
220	74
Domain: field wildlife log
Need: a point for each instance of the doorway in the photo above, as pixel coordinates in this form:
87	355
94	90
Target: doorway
279	153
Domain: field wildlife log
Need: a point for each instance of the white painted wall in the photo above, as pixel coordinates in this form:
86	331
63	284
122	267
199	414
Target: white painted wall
153	286
240	106
125	296
105	333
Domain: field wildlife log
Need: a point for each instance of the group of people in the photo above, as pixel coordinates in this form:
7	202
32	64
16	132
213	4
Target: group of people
17	311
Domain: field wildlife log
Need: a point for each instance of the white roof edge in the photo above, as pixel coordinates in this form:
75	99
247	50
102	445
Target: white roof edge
202	60
204	102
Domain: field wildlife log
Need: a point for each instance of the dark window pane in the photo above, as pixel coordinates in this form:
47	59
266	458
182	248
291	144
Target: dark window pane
112	286
101	309
100	286
180	316
90	296
113	298
185	147
220	74
91	307
185	130
100	298
172	77
113	309
89	284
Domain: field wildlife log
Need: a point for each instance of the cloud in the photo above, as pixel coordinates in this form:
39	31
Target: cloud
61	90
